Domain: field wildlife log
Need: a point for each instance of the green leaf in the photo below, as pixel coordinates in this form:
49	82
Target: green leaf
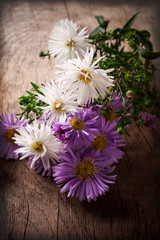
147	62
100	19
118	53
149	54
115	31
41	54
146	33
36	88
21	102
96	31
130	21
105	24
30	93
149	46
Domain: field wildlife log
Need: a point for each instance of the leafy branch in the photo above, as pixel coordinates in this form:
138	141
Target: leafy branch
43	55
31	107
129	51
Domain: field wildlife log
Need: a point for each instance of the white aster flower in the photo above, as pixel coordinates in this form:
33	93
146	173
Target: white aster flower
38	141
59	103
84	77
65	40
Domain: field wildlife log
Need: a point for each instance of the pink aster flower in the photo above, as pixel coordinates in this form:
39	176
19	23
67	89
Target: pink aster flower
8	128
82	174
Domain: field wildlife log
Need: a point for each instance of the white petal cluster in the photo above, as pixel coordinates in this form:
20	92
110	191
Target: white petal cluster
84	77
65	40
38	141
59	102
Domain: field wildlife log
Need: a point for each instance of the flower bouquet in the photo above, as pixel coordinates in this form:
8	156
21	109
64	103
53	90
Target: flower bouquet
72	128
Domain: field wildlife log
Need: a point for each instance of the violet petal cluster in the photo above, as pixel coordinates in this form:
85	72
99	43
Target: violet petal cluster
149	120
84	175
108	141
80	127
8	128
117	101
39	168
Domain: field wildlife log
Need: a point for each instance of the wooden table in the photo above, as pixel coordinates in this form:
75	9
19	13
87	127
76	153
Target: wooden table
31	207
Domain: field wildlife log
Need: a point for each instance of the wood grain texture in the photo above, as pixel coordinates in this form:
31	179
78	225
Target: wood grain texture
31	207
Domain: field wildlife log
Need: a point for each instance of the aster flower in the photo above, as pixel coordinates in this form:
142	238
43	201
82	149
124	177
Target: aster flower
107	142
38	141
83	175
80	127
59	132
116	105
117	101
84	77
59	103
8	128
39	167
65	40
149	120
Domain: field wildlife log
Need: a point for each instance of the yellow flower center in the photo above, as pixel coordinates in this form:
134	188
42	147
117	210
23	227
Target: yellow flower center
86	77
37	146
85	169
77	124
58	106
99	142
110	116
9	134
71	43
146	121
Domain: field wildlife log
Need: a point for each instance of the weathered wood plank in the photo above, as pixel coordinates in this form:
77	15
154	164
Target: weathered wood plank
25	199
31	206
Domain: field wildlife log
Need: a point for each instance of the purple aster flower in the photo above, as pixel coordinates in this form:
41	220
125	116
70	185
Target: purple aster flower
107	142
39	167
8	128
117	102
116	105
44	118
80	127
83	175
95	107
149	120
59	132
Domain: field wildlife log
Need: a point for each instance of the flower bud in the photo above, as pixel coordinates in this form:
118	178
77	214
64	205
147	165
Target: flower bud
129	94
120	130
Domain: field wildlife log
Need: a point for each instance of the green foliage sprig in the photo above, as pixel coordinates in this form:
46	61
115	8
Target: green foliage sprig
30	105
129	51
43	55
